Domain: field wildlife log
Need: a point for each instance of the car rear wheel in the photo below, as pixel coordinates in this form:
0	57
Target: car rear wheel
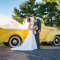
56	40
14	41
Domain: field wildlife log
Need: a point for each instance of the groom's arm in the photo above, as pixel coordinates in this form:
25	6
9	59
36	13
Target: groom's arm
39	24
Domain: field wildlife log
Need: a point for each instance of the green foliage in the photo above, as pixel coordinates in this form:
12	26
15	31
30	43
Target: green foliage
47	10
57	20
51	11
41	10
25	10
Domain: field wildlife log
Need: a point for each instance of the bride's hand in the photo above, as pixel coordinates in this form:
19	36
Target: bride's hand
31	29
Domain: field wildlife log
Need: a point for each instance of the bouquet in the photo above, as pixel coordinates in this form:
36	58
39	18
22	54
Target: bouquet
35	28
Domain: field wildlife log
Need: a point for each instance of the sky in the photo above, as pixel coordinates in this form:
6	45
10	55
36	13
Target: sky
7	6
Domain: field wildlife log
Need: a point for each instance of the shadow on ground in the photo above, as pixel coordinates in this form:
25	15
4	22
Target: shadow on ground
46	52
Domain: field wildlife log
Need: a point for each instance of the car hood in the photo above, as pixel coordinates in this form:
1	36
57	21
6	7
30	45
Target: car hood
51	28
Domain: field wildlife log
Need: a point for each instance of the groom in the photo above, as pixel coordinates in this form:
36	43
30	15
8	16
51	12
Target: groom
37	22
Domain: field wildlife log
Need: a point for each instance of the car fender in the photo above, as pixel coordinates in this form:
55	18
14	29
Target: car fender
6	37
50	36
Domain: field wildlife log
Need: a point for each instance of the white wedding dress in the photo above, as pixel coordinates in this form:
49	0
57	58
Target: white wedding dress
29	43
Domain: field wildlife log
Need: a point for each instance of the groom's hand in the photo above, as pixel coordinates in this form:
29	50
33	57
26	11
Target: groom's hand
38	31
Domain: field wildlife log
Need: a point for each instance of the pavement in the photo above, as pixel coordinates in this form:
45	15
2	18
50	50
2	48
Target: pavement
46	52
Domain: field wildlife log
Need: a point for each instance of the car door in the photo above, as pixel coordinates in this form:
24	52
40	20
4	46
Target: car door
42	33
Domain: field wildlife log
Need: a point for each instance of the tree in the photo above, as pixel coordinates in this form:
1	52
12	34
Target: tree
57	19
53	13
17	15
58	5
25	10
47	11
41	9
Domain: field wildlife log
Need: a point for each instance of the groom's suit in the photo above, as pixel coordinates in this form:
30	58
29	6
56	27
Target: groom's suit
38	23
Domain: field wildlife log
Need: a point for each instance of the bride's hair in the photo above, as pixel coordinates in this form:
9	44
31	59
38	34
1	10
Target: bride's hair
28	20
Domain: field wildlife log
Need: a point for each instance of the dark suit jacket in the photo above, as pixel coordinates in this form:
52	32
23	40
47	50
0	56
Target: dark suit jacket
38	23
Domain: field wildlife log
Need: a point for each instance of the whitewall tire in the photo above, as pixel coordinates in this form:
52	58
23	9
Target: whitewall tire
56	40
14	41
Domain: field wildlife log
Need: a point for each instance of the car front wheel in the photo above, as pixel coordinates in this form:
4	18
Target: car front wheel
14	41
56	40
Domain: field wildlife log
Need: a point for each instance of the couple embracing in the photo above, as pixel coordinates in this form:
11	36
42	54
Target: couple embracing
32	41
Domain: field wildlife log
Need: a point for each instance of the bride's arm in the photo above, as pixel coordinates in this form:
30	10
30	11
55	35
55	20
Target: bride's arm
29	26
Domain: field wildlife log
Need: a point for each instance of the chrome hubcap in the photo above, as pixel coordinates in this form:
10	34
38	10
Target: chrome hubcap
14	41
57	40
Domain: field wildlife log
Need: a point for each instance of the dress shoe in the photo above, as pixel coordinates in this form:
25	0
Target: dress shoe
38	47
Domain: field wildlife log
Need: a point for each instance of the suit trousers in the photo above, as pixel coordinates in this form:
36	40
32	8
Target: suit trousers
37	39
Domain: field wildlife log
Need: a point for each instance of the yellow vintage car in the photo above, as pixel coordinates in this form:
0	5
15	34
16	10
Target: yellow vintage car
12	36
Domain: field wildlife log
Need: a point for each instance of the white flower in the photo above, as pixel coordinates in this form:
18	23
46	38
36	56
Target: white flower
35	21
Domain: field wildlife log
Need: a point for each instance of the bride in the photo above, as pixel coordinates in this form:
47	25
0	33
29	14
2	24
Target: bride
30	42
